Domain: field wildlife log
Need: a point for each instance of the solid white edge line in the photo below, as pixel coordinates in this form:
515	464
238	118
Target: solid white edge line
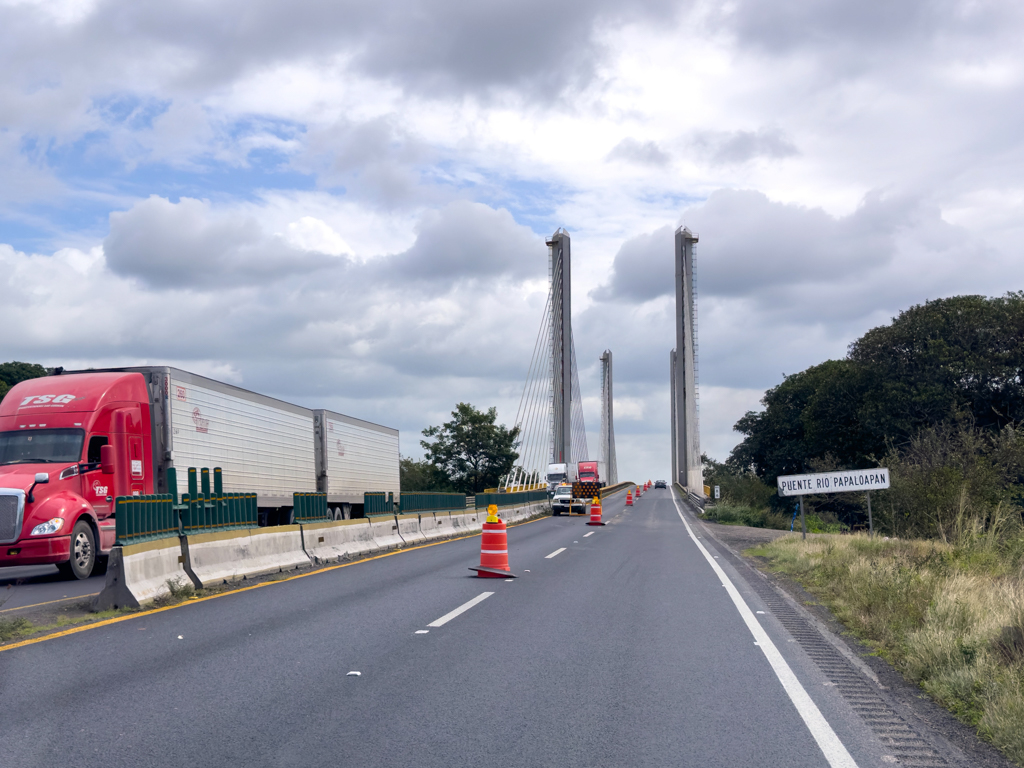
556	552
460	610
828	741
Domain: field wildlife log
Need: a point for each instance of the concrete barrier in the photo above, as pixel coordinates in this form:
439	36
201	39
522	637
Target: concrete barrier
138	573
277	548
472	521
384	530
331	542
433	525
223	556
409	528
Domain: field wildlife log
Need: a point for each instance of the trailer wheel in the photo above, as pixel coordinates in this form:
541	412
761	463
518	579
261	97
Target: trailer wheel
83	552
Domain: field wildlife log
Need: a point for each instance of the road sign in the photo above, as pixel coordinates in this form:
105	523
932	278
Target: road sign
834	482
718	493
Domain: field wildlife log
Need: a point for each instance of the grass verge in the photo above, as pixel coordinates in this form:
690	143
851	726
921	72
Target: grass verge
733	514
950	618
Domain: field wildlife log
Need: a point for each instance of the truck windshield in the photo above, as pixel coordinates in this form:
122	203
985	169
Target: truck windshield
41	446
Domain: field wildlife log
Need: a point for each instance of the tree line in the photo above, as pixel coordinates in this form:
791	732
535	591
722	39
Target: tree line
937	396
14	373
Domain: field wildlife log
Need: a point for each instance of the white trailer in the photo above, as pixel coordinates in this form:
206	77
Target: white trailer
353	457
263	444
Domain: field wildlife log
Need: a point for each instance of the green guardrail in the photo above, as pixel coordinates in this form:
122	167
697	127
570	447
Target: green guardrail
310	507
378	504
145	518
205	509
483	500
428	501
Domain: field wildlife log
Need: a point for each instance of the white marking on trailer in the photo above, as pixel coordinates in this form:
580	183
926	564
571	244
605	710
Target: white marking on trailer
460	610
556	552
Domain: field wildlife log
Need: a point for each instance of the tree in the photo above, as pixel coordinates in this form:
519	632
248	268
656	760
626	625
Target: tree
14	373
472	451
421	476
933	364
963	354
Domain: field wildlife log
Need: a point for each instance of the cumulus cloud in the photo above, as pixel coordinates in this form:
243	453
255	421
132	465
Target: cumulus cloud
173	245
737	147
640	153
752	246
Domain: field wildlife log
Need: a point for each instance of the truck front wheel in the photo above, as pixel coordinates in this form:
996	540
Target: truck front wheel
83	552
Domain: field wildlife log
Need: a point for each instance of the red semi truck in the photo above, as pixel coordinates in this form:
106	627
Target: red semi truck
589	473
70	444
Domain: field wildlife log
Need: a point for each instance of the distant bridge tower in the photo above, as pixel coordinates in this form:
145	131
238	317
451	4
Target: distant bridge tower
550	416
686	467
559	264
607	421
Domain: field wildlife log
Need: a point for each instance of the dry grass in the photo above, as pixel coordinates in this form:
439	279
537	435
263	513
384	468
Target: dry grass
951	618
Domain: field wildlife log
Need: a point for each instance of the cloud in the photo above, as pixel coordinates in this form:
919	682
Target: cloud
175	245
465	241
639	153
738	147
751	246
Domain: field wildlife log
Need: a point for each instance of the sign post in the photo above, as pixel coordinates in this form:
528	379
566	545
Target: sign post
840	481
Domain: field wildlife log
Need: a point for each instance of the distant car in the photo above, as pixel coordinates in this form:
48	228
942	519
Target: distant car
660	484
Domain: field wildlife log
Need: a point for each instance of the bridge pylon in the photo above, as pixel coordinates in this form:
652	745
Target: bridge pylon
686	465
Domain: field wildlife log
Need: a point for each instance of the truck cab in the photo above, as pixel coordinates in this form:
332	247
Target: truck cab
559	474
70	445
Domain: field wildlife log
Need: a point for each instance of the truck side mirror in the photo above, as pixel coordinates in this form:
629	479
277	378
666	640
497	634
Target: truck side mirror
107	459
41	479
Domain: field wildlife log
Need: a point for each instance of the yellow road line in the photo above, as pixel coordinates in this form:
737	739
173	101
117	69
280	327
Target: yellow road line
49	602
150	611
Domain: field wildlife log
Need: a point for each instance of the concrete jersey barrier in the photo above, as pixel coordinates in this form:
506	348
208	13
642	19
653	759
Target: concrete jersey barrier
385	532
138	573
330	542
409	528
222	556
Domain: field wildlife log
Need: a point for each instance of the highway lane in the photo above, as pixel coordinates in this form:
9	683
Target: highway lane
28	585
623	649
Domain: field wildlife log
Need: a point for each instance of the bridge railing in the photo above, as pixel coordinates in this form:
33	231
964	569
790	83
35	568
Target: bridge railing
429	501
484	500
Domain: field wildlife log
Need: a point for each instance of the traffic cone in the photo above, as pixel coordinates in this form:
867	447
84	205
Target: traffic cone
595	512
629	498
494	548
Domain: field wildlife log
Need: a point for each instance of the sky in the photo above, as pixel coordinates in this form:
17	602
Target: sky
344	204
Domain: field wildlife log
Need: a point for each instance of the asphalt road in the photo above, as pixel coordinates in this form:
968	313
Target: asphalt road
32	585
626	648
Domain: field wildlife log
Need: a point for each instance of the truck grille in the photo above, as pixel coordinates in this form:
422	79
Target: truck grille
10	515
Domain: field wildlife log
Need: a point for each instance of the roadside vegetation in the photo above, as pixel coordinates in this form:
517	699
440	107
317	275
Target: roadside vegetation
949	615
937	396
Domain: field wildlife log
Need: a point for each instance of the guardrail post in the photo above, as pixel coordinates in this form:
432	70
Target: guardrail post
172	483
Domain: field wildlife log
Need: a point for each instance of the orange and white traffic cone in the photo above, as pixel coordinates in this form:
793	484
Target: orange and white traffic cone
595	512
494	548
629	498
